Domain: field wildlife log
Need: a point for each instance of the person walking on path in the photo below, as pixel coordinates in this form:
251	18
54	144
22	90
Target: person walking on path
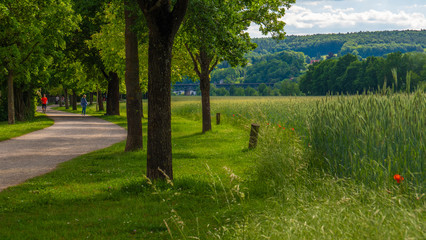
83	105
44	103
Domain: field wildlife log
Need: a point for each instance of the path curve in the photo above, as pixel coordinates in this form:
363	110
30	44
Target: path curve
39	152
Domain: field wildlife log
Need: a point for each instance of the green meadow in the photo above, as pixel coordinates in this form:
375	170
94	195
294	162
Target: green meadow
323	169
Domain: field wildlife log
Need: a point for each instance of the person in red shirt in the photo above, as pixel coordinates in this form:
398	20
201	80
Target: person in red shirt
44	103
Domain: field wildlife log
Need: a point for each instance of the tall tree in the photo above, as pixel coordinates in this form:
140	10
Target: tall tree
113	95
134	96
117	42
163	21
90	56
216	31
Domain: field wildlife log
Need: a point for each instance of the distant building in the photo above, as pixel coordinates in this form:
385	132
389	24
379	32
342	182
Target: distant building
179	92
190	92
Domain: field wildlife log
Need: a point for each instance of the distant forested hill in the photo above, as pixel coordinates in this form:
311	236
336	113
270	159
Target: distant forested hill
266	68
275	61
363	44
282	64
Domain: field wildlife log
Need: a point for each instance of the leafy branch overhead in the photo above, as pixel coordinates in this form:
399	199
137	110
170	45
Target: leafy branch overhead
220	27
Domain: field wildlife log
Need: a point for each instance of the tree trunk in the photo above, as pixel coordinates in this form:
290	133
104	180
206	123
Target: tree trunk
97	99
24	107
133	103
60	100
19	104
11	98
203	59
205	101
67	106
163	24
159	154
113	101
74	100
100	101
91	98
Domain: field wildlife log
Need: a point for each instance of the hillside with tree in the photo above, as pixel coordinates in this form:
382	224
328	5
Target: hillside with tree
283	62
363	44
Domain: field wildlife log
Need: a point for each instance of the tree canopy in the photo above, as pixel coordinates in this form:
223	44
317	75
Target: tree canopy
350	75
31	39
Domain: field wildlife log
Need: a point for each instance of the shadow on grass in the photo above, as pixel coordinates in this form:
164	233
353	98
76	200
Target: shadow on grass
190	135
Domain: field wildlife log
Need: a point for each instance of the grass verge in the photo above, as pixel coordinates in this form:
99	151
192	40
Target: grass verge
8	131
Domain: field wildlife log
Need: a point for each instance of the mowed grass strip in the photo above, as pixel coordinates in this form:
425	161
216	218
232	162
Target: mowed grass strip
8	131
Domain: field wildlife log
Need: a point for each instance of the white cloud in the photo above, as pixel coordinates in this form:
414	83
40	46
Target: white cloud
301	17
333	16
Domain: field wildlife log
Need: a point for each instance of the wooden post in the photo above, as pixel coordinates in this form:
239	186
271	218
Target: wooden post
217	118
254	133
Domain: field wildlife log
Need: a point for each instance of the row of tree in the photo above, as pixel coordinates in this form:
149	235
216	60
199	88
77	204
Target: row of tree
348	74
31	43
91	46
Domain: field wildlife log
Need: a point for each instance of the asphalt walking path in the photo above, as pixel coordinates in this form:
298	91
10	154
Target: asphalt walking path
39	152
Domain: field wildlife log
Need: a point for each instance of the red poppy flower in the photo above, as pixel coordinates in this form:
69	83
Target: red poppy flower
233	115
267	124
284	128
279	125
292	129
398	178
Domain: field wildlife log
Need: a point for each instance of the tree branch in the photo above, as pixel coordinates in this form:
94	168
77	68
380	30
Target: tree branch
214	65
105	74
178	13
155	6
28	55
196	69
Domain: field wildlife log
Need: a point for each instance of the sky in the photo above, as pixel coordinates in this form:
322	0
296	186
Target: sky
307	17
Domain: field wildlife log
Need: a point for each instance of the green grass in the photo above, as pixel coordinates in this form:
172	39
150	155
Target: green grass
20	128
104	194
220	189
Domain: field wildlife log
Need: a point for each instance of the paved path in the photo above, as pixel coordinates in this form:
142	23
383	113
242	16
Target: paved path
41	151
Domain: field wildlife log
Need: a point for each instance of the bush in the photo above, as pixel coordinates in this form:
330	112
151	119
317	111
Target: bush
249	91
222	92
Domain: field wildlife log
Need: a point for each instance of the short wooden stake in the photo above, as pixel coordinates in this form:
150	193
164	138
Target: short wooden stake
254	133
217	118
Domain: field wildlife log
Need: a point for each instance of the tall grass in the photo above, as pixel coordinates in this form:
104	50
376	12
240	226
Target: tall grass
366	137
287	112
370	138
289	199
